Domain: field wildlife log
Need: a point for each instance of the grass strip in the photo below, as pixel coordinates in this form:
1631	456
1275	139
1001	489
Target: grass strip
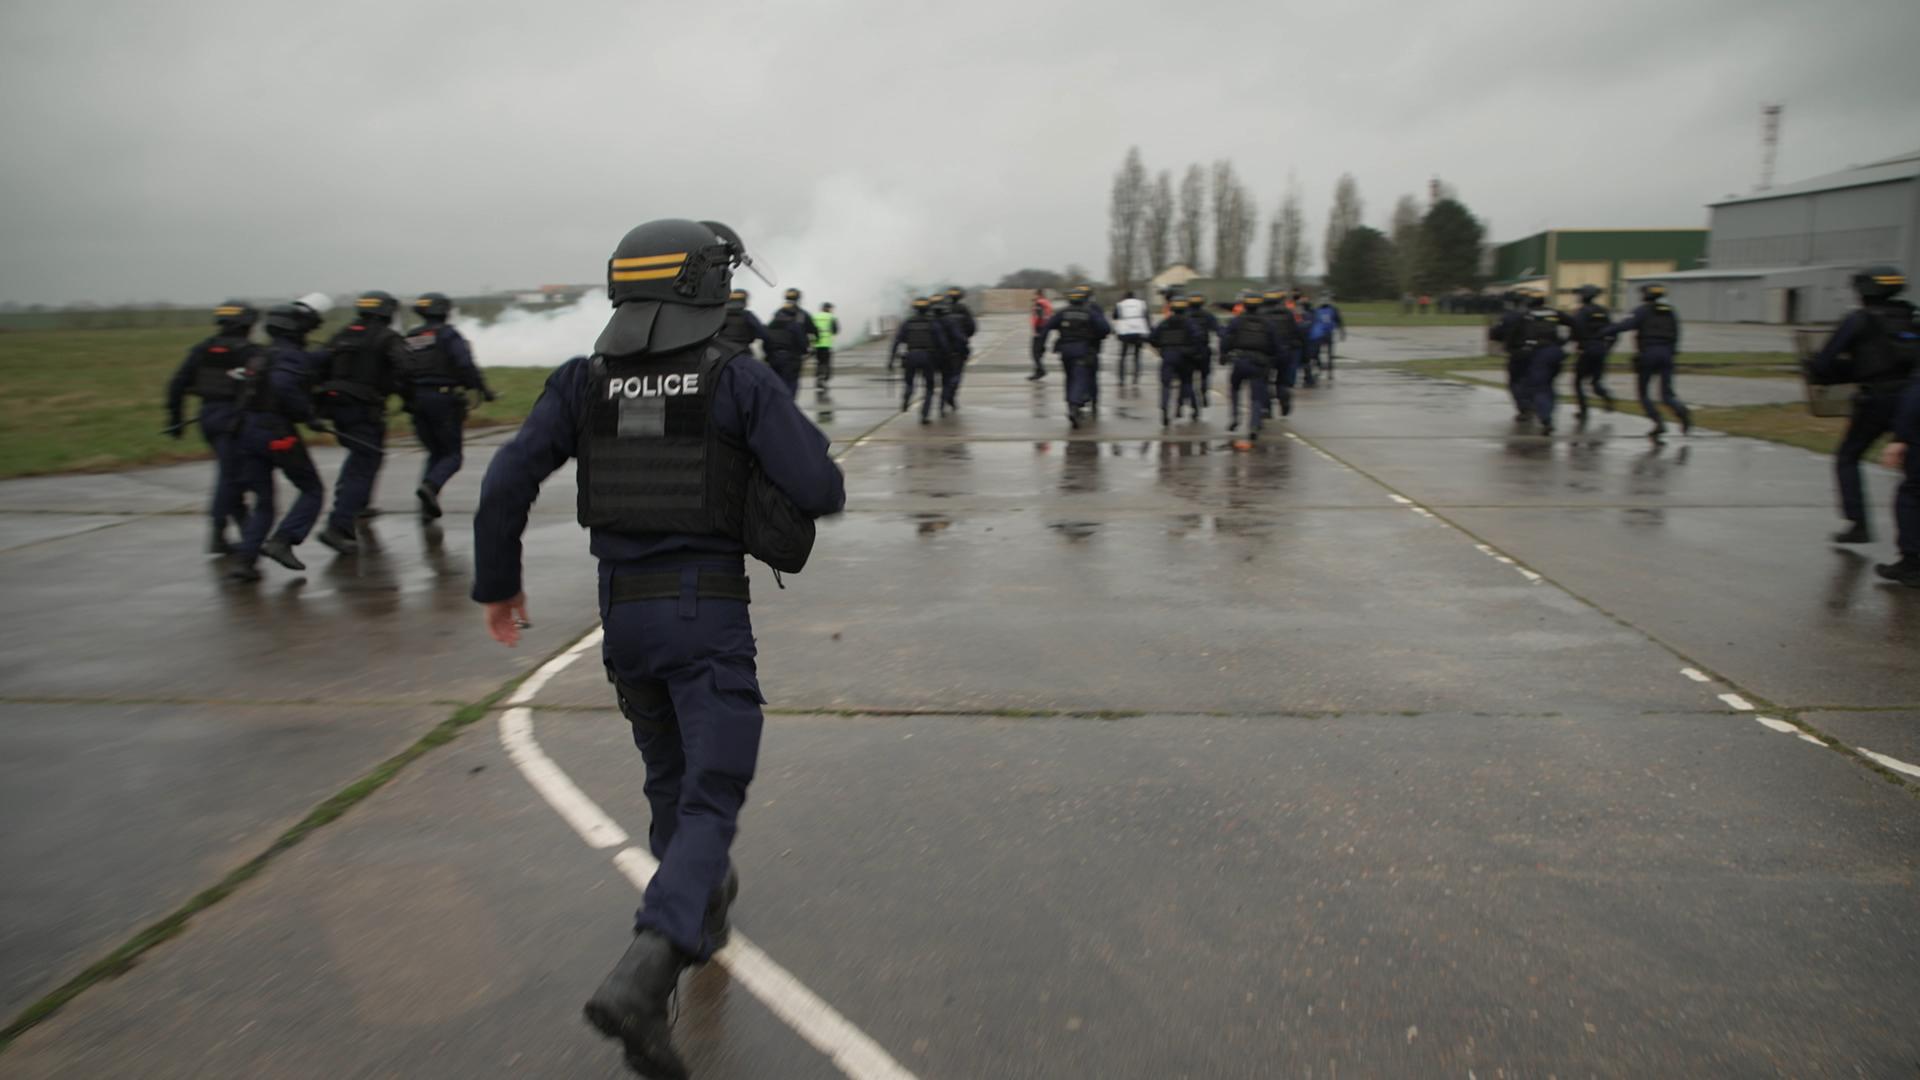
122	959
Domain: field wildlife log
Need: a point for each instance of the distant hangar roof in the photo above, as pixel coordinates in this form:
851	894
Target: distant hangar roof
1904	167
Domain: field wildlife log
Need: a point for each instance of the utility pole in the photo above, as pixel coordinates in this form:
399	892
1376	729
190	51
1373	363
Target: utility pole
1769	143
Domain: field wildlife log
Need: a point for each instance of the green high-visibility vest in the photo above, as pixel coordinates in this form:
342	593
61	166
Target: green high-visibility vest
823	322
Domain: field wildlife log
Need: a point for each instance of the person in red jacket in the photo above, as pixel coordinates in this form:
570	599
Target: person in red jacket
1042	311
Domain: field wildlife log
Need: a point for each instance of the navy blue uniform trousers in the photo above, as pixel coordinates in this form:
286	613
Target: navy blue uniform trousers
1656	362
259	451
1250	371
219	421
365	428
787	366
1873	414
923	367
700	738
1543	367
438	413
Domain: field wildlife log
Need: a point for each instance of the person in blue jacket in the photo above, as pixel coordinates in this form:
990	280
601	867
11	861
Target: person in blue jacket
1656	327
925	343
1081	328
1251	346
1327	323
212	372
274	397
1202	316
671	433
1873	347
438	372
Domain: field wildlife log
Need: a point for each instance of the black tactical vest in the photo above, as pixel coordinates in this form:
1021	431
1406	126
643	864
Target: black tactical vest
219	366
651	458
1250	335
786	331
1174	332
920	334
736	330
357	362
1540	327
427	359
1076	324
1283	326
1661	326
1889	349
1590	323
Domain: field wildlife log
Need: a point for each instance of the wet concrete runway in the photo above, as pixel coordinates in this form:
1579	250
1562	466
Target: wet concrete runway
1393	746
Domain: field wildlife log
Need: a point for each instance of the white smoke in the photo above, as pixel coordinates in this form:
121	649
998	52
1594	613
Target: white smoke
863	249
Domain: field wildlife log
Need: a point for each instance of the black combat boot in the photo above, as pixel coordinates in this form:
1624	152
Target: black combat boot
429	501
342	542
631	1005
281	552
243	571
1906	571
217	543
1857	533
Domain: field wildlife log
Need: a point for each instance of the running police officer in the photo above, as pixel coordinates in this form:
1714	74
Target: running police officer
788	337
213	372
1656	329
680	442
925	343
1286	369
1202	317
1506	331
825	325
957	319
1875	347
1589	326
742	327
274	397
354	381
1544	351
437	373
1251	346
1173	338
1081	328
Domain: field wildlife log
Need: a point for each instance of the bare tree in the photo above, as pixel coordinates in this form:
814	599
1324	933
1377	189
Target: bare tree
1345	215
1193	210
1126	220
1273	251
1404	231
1233	222
1245	222
1160	224
1290	230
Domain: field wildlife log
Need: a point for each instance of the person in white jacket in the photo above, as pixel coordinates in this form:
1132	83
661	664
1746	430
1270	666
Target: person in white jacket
1131	323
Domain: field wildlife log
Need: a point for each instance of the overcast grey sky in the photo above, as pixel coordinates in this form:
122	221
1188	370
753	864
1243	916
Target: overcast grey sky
189	150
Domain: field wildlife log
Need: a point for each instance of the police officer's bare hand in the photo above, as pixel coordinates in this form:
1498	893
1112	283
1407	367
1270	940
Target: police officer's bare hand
1895	457
506	618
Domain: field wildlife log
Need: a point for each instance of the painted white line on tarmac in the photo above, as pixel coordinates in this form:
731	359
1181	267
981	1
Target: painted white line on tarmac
1804	737
1780	726
1695	674
1401	499
822	1026
1893	763
1528	574
1735	701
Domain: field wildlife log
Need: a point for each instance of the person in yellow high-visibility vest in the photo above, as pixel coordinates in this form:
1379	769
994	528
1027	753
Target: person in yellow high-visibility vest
825	324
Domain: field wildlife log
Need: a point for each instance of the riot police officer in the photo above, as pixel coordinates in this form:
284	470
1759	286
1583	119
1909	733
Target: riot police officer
213	371
1293	346
1081	328
437	373
1656	327
1202	316
742	327
1589	328
682	446
273	398
957	319
1544	352
1251	347
355	379
788	339
1506	331
925	343
1173	339
1873	346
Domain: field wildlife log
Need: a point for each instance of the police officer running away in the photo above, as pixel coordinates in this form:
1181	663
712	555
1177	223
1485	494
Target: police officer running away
273	398
689	456
213	371
356	378
1875	347
439	370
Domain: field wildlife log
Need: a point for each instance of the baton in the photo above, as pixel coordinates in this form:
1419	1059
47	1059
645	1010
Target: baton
182	425
344	437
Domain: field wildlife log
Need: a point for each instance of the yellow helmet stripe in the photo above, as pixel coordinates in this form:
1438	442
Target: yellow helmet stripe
226	309
646	275
366	302
1890	279
638	261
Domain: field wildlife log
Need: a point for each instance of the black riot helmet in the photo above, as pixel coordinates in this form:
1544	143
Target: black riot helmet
237	316
1251	301
922	303
1652	291
793	296
1876	283
669	281
1586	293
294	321
375	304
956	293
737	298
1536	298
433	306
1079	294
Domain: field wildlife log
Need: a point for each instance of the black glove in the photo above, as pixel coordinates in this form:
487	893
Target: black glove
178	430
488	395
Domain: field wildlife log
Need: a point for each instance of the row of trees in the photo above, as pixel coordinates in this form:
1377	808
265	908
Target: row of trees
1421	252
